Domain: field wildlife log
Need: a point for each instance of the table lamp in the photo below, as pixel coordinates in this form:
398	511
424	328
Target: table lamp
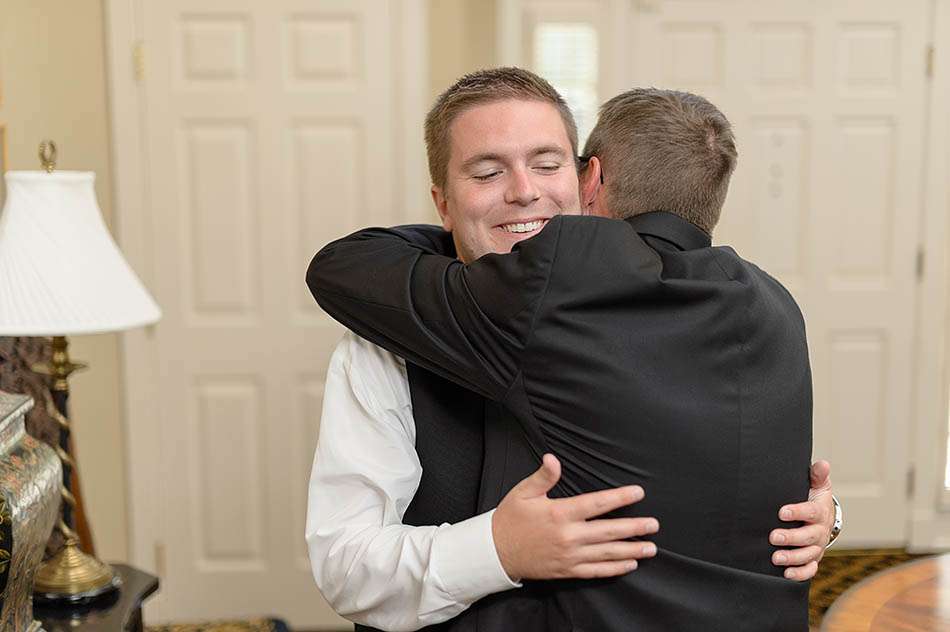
61	273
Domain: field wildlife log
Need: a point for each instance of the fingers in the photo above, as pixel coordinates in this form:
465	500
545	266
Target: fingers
810	511
820	474
610	558
616	552
594	504
809	535
596	531
602	569
802	573
542	480
797	557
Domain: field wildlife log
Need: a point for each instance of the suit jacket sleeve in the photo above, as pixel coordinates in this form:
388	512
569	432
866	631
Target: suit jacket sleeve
468	323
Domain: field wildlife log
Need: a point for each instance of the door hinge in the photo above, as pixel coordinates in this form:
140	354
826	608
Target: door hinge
138	60
919	264
930	61
160	559
910	482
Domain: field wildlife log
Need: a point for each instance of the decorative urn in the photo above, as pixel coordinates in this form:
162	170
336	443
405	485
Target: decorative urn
31	480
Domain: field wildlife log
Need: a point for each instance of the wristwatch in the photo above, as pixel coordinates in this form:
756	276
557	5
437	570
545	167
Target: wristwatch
836	528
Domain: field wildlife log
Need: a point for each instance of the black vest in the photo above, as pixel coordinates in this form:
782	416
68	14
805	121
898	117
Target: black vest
458	483
450	443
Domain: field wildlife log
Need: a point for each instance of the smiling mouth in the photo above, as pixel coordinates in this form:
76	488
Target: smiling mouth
524	227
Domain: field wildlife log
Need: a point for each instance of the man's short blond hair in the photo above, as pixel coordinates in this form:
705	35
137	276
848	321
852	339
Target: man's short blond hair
478	88
663	150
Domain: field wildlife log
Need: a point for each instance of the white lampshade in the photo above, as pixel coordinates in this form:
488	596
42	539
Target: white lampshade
61	272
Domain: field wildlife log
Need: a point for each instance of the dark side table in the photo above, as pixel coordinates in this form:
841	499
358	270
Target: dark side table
119	612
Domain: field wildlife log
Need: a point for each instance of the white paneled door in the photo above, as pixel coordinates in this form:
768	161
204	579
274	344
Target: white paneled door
267	129
828	103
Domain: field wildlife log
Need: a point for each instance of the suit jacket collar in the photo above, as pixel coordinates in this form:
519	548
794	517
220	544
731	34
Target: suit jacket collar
671	228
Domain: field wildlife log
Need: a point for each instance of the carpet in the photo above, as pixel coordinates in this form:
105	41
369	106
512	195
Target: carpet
255	625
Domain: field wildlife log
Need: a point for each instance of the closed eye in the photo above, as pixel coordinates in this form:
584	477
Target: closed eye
484	177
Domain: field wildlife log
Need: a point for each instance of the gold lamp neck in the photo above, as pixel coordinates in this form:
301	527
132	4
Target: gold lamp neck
60	366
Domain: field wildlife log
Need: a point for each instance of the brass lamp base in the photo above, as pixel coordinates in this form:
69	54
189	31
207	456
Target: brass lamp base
73	576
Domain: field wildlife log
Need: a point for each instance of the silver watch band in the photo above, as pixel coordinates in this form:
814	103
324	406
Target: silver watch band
836	528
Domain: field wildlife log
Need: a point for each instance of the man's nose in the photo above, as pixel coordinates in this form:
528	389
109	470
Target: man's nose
521	188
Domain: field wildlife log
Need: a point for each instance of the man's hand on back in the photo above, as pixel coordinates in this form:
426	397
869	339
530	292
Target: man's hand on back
818	514
537	537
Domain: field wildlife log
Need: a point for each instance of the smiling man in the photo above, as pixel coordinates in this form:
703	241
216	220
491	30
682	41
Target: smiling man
476	203
501	149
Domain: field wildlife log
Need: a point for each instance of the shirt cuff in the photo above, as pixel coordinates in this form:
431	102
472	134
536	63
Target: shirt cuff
466	562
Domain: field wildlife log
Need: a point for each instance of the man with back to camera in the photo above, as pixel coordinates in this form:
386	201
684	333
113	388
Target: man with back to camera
460	229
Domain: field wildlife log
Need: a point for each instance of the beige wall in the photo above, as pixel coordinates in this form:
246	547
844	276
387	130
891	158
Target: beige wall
53	69
461	39
52	66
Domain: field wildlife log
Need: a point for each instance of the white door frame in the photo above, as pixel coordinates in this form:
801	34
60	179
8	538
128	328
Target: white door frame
930	517
142	403
139	358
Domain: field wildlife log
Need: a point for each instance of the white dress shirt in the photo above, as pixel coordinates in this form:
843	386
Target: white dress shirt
370	567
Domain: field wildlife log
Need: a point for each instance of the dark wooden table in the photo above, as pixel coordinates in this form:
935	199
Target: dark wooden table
909	597
118	612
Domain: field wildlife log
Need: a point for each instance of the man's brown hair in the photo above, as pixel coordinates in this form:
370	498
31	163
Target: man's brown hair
478	88
663	150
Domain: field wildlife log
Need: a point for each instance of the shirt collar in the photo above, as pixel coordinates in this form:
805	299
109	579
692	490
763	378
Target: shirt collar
671	228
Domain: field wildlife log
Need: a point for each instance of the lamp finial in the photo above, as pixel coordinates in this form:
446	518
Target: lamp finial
48	155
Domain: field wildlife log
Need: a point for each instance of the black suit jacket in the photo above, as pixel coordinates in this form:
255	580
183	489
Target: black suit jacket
638	354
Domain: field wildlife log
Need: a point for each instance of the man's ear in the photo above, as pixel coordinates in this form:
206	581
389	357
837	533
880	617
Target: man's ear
442	206
591	187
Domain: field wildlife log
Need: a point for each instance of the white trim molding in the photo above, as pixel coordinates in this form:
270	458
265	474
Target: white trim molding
141	403
930	519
